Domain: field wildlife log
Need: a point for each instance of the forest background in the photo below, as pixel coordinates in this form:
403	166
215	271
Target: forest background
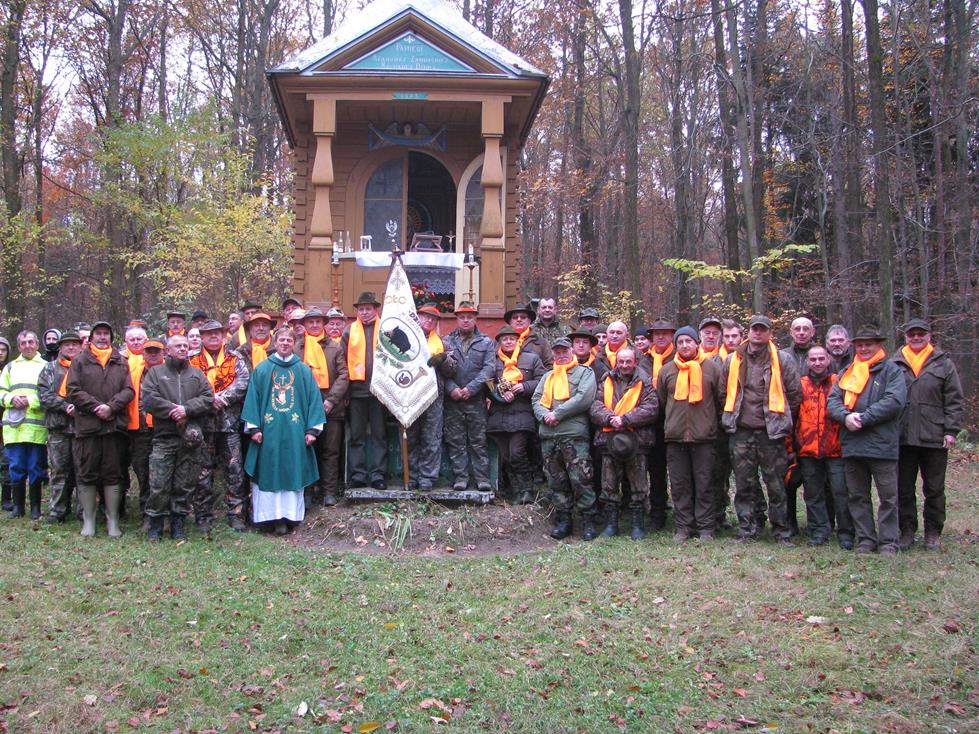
694	156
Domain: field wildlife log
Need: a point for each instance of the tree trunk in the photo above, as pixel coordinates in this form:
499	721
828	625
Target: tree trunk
632	279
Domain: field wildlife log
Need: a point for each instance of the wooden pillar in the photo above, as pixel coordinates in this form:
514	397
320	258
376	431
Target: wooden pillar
324	128
491	280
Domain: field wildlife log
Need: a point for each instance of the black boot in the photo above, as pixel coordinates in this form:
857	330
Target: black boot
6	498
588	531
156	529
638	527
611	521
19	490
562	525
177	531
35	496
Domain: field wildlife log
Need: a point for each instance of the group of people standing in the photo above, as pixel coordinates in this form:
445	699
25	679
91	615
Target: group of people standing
611	419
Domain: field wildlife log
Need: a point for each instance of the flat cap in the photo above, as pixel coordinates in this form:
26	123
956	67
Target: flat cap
562	342
211	325
916	324
714	321
759	320
588	313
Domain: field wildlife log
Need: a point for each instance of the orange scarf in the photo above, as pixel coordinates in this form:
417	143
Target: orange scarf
521	337
610	353
658	360
628	401
176	332
689	379
723	352
917	361
711	353
590	362
510	370
855	378
357	350
63	387
102	355
776	391
260	352
556	385
435	345
220	371
314	357
136	367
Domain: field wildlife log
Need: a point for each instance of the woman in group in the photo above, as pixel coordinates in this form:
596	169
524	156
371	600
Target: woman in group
283	415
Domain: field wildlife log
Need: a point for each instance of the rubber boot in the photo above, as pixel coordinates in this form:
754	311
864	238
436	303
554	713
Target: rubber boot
588	530
6	498
19	490
35	497
155	532
638	527
177	531
87	500
611	521
113	498
562	525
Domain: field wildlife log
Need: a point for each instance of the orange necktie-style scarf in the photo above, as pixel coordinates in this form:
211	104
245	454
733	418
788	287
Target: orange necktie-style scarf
917	360
260	351
855	378
590	361
628	401
689	380
357	350
136	367
511	372
176	332
776	391
556	385
102	355
723	352
708	353
435	345
610	353
658	360
314	357
521	337
63	387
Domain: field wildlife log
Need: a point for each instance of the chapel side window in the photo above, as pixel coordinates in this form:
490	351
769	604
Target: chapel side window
383	201
474	208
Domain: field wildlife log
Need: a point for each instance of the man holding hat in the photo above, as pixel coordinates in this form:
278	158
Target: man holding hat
625	409
562	401
24	433
710	336
660	352
52	389
324	356
228	376
100	388
933	418
176	323
425	434
367	413
691	391
868	399
258	342
762	393
511	416
465	413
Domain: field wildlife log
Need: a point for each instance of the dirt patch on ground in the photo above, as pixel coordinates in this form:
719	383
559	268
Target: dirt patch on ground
427	529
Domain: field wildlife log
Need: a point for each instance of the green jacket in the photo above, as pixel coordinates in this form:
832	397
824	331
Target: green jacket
19	377
573	412
936	405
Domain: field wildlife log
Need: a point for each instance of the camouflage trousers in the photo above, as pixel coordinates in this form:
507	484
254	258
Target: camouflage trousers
751	450
425	446
174	471
567	465
140	446
220	451
61	473
465	440
635	471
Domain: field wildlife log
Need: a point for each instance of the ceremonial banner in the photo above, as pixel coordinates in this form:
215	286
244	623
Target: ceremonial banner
402	379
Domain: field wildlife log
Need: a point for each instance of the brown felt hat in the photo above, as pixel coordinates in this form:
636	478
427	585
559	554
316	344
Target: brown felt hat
367	298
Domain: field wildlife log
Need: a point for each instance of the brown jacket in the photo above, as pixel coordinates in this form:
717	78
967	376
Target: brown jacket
91	385
336	367
640	419
692	422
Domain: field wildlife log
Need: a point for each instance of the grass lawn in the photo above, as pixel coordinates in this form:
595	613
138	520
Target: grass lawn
250	633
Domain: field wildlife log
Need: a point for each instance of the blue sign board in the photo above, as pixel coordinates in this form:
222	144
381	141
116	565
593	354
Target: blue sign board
409	52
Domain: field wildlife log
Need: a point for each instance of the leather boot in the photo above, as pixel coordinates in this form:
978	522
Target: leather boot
87	500
113	498
906	540
611	521
588	531
6	498
156	529
177	531
562	525
638	526
35	497
19	490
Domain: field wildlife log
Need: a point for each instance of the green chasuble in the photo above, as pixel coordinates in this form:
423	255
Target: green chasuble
284	402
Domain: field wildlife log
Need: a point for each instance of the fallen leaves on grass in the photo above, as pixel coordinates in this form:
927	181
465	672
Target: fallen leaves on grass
952	626
954	707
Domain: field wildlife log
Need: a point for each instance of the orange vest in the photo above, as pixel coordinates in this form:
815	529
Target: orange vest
816	434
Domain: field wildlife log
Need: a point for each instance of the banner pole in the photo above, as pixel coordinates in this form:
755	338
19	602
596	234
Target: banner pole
404	455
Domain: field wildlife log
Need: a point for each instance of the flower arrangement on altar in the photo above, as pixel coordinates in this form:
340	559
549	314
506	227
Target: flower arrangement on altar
422	295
